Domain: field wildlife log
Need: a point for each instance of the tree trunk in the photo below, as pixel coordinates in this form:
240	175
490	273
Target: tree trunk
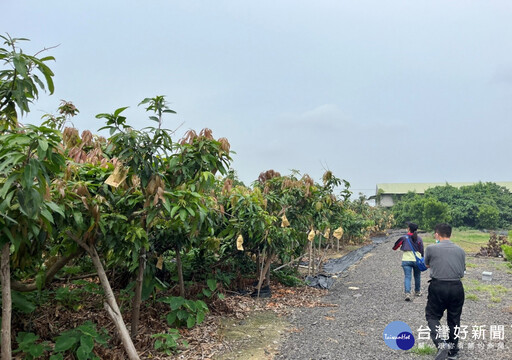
5	276
50	273
180	272
267	277
264	271
137	299
111	304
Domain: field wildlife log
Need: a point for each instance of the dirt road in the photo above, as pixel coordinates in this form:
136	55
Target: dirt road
370	296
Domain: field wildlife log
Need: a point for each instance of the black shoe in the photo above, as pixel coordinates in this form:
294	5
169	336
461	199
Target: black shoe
452	356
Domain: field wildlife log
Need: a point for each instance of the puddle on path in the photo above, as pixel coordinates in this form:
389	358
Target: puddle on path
255	337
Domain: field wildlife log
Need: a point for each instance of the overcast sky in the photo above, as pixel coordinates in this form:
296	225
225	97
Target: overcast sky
376	91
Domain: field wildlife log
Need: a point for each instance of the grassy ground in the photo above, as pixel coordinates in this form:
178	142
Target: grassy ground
470	240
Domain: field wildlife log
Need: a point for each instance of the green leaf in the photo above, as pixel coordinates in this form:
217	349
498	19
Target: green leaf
87	343
191	211
145	101
6	186
64	343
171	318
7	232
201	305
173	211
82	353
78	218
88	329
221	296
29	173
120	110
48	76
21	303
57	357
47	215
183	215
212	284
20	65
24	338
55	208
207	292
40	279
191	321
190	305
36	350
182	314
199	317
167	205
176	302
47	58
158	344
43	144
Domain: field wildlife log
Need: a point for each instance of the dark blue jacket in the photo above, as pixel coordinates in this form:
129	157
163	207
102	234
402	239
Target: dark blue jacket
402	241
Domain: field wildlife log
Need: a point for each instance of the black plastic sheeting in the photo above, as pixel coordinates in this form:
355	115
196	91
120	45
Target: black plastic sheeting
336	266
320	281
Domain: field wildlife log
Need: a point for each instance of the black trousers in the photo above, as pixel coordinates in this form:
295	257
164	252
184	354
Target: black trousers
444	295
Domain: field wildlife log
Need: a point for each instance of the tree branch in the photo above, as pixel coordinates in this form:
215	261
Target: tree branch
50	274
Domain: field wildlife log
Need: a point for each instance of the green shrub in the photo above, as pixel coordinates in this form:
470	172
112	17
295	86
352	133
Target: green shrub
288	277
168	342
23	302
488	217
28	347
507	250
69	298
185	312
79	341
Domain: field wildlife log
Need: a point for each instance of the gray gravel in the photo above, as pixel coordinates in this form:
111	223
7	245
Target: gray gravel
354	330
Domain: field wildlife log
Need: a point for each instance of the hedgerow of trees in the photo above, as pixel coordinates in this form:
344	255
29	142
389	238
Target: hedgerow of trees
481	206
152	217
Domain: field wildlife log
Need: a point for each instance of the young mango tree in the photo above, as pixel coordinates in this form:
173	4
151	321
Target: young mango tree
29	158
247	225
189	173
141	155
85	198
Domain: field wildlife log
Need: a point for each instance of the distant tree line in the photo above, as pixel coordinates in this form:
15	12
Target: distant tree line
481	206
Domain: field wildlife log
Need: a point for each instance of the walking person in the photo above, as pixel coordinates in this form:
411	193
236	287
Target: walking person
409	260
447	263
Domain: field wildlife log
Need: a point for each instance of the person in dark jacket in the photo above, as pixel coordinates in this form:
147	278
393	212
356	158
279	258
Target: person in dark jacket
409	260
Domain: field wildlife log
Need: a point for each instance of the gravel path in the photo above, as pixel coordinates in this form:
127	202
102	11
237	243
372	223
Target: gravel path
354	330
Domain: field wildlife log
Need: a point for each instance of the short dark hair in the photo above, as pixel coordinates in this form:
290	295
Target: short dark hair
444	230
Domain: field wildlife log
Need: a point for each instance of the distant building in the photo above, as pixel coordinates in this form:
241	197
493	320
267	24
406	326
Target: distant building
387	194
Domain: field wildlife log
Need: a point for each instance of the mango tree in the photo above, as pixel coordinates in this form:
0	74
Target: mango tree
140	155
189	173
85	199
247	225
27	157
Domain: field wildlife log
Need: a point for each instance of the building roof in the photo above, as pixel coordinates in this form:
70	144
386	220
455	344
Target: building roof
403	188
